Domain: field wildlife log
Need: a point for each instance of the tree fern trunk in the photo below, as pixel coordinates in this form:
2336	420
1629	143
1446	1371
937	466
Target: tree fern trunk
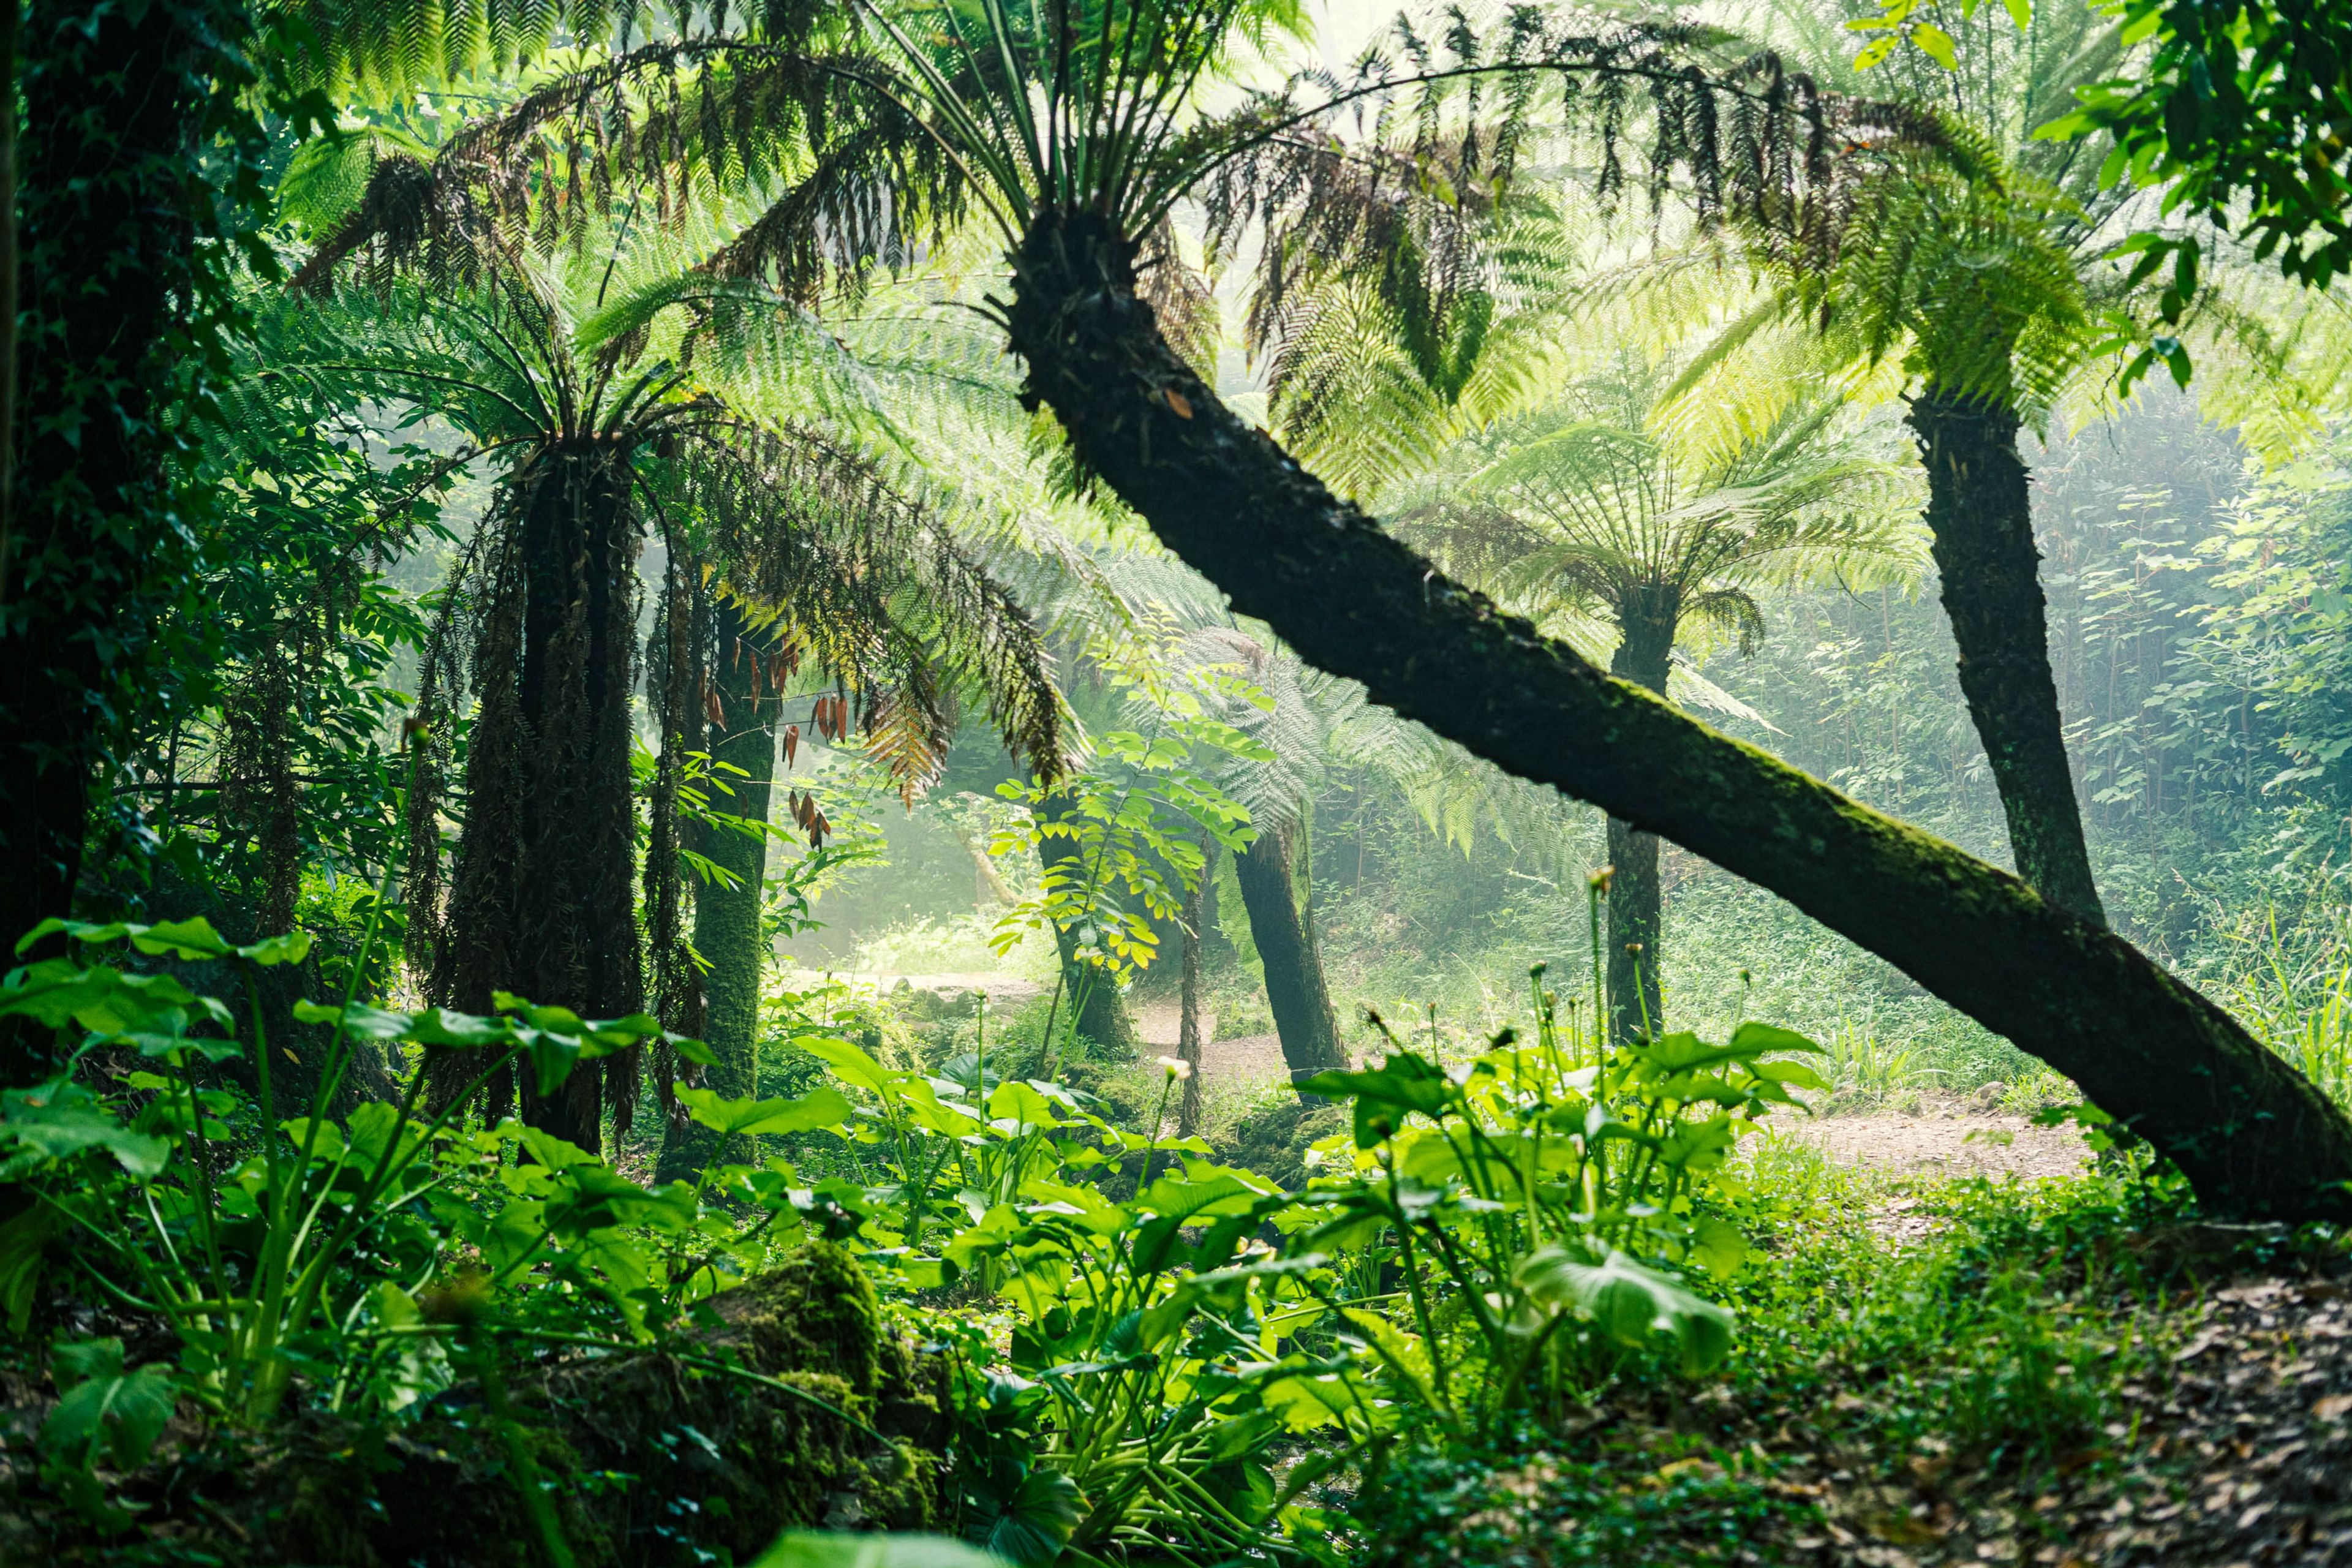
727	918
1293	960
543	903
1981	516
1636	900
2253	1135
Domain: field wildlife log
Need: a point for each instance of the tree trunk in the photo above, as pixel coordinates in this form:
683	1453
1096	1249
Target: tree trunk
111	98
1981	516
1646	650
727	919
1188	1023
11	19
543	903
1285	935
2251	1133
1101	1009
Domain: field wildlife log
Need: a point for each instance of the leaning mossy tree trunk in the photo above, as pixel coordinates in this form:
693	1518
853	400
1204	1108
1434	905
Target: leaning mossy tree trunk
1284	933
1646	623
1101	1009
742	744
2251	1133
1981	517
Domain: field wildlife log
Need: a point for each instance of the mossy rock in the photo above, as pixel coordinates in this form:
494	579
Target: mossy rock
652	1461
1274	1142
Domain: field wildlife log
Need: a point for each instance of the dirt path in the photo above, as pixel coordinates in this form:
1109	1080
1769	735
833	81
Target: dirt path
1002	991
1244	1058
1943	1143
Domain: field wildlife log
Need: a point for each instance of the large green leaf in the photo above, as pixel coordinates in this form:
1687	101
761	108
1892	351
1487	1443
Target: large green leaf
103	1407
1757	1039
1717	1245
1627	1301
151	1012
1034	1524
1385	1095
822	1107
809	1549
1021	1104
595	1196
60	1118
22	1241
850	1063
1174	1203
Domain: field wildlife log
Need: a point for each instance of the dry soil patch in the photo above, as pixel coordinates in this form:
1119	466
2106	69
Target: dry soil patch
1946	1143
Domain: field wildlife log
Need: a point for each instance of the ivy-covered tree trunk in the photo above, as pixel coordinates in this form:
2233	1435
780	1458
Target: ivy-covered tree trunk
1101	1008
1293	959
110	96
742	744
1981	517
1637	924
543	903
2251	1133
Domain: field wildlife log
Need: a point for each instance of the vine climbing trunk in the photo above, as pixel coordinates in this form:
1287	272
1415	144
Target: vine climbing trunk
110	95
1647	621
2251	1133
1980	515
543	903
740	742
1284	933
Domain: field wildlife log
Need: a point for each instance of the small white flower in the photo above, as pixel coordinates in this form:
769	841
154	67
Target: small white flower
1177	1068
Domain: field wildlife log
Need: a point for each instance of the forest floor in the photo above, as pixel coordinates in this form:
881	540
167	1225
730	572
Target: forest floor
2044	1373
1963	1344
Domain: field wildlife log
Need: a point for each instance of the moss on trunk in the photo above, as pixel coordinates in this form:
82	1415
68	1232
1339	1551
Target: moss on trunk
1284	934
111	97
2253	1135
741	740
1981	517
1637	902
